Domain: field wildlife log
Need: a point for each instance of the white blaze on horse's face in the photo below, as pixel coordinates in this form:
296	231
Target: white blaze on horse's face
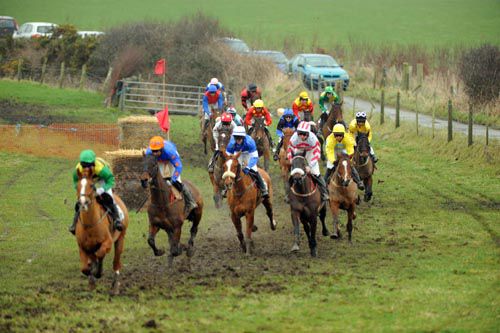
344	163
228	172
83	198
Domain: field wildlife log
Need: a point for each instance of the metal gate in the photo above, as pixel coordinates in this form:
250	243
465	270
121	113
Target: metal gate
181	99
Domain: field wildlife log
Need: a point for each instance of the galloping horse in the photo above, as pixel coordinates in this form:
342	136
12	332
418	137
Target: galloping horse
216	176
167	212
305	203
95	234
243	198
343	195
364	164
261	140
335	116
206	135
283	160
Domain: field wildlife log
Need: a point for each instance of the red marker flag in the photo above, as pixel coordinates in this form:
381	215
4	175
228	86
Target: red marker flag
160	67
163	119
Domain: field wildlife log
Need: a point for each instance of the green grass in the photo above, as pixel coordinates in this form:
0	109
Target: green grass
266	24
424	257
70	105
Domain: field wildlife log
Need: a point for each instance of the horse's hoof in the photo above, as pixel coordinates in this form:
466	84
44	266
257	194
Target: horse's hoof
335	235
115	289
159	253
273	225
190	251
254	228
295	248
325	233
314	252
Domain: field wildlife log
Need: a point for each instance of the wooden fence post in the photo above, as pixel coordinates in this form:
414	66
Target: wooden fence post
398	105
487	134
83	77
61	75
44	69
420	74
122	96
406	76
382	105
384	78
354	107
19	67
469	136
450	123
416	111
107	79
375	78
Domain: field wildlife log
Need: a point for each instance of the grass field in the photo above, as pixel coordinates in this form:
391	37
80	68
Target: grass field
265	24
425	254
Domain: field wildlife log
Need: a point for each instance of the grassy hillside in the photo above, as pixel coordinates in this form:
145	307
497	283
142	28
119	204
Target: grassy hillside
266	24
424	256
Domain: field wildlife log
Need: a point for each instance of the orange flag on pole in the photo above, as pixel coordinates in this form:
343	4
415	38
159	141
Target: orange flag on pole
163	119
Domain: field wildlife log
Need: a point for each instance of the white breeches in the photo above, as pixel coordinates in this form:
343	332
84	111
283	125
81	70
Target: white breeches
167	170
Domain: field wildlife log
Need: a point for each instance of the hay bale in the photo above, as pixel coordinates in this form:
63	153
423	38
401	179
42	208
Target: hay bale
127	166
135	131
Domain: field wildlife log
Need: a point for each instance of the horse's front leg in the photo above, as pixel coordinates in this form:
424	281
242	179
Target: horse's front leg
368	188
153	230
269	212
350	217
334	207
193	231
313	246
117	265
249	217
237	225
322	218
296	230
84	263
104	248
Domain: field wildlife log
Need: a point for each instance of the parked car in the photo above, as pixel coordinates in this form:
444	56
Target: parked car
315	67
275	56
84	34
35	30
237	45
8	26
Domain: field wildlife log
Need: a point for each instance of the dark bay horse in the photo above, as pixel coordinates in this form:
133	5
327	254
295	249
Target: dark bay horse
206	135
364	164
243	198
343	195
305	203
283	159
95	234
261	140
335	116
216	176
167	212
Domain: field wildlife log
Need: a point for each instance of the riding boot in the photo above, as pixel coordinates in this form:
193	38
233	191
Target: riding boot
374	158
328	174
357	180
213	160
277	150
72	227
109	204
205	124
189	202
322	187
260	183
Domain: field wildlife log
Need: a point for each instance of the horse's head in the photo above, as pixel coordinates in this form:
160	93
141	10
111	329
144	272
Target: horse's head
363	146
336	110
224	137
232	169
85	188
298	169
150	169
259	124
343	172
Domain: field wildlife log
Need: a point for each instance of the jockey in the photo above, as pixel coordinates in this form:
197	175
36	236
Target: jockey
302	104
287	120
225	121
104	182
216	83
258	110
250	95
236	117
361	125
212	99
326	100
241	142
170	165
340	142
305	141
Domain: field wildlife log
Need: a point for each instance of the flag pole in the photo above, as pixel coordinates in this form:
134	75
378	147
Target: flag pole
164	101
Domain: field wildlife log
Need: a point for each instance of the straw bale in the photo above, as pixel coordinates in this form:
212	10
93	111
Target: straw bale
135	131
127	166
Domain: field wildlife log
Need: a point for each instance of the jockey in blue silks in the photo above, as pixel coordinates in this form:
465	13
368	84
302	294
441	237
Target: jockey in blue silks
287	120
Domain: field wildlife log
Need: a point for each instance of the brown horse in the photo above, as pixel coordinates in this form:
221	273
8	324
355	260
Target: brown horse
283	159
206	135
305	204
364	164
166	211
261	140
343	195
334	117
216	176
95	234
243	198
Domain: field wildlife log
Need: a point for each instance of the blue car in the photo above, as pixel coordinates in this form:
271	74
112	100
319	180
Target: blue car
275	56
318	67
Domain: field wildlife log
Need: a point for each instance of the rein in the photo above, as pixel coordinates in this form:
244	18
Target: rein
305	194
